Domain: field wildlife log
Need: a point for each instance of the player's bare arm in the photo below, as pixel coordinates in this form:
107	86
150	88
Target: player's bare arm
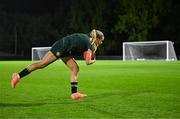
88	58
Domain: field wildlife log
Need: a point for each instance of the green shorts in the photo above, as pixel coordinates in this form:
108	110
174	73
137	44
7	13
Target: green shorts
58	50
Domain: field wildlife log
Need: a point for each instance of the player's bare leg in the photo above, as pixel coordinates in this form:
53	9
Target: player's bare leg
47	59
71	63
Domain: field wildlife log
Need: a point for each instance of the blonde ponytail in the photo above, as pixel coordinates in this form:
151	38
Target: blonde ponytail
96	37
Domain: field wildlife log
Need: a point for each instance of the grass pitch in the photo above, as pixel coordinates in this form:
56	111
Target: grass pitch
115	89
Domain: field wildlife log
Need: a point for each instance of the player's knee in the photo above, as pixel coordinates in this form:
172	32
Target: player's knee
75	68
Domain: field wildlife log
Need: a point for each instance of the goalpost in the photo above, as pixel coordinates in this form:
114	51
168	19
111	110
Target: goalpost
149	50
37	53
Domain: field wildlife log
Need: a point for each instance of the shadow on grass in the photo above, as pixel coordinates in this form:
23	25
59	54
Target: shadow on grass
64	101
109	94
37	103
105	111
51	101
119	94
20	104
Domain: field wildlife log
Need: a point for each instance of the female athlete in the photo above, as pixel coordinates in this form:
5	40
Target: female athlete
66	48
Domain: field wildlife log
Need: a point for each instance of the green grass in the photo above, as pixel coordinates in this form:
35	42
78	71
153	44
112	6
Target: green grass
115	89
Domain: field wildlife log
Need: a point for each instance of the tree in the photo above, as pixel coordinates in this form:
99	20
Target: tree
169	28
137	17
85	15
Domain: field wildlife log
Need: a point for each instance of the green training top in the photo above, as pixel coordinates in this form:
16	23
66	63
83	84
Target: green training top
74	44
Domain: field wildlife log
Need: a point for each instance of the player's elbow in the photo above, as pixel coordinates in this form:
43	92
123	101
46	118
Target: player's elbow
88	62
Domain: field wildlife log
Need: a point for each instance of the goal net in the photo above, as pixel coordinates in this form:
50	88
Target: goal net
39	52
149	50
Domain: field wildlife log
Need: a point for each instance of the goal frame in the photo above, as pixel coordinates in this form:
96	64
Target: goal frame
149	42
36	48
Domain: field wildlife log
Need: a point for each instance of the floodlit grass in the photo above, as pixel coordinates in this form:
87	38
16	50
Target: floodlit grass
115	89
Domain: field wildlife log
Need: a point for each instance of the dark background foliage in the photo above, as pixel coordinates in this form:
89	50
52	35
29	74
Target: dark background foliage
35	23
